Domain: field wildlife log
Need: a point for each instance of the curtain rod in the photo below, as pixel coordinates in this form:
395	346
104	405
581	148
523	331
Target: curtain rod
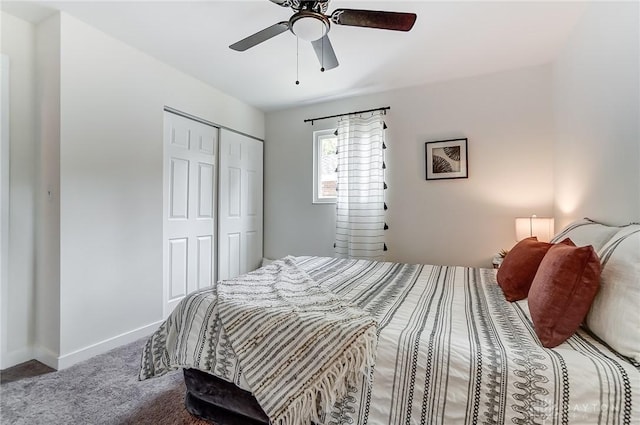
384	108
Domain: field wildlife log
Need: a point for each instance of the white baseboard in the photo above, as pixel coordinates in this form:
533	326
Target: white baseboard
51	359
77	356
46	356
16	357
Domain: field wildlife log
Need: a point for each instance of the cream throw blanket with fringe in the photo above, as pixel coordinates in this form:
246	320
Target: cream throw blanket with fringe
299	346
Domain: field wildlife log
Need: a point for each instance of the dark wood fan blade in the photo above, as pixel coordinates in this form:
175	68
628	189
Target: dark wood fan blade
396	21
325	53
260	36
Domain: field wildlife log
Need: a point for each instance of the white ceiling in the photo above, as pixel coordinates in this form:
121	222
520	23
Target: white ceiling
449	40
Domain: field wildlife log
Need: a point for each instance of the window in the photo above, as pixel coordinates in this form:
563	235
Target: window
325	161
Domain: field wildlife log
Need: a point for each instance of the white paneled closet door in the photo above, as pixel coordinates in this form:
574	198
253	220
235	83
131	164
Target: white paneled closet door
190	150
240	212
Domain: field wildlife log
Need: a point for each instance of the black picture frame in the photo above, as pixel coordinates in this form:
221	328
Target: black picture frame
446	159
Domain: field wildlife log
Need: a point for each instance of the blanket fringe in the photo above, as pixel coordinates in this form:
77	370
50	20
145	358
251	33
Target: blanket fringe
334	383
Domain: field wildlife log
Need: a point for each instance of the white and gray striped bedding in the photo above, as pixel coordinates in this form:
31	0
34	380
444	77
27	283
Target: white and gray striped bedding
450	350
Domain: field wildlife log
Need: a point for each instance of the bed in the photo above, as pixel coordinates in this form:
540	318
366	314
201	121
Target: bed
450	347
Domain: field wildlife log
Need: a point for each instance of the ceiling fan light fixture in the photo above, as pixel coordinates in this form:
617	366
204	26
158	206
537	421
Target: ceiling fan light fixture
311	23
309	26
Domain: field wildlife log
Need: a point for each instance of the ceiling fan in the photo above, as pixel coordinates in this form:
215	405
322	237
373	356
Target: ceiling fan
310	23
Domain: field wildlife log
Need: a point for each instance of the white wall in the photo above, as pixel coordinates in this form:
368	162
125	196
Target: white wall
596	100
4	203
20	48
97	147
507	118
91	149
112	99
47	158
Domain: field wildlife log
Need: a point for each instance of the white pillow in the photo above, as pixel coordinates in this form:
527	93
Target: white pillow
587	232
615	313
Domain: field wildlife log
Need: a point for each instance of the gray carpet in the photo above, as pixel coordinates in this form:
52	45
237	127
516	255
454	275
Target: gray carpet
101	390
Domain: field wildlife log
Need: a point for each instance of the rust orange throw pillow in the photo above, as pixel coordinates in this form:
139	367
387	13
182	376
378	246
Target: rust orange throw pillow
519	267
562	291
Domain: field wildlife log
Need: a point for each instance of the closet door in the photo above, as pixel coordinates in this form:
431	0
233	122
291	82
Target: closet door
240	212
190	150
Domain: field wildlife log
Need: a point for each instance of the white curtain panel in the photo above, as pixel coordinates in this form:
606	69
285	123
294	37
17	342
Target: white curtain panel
360	204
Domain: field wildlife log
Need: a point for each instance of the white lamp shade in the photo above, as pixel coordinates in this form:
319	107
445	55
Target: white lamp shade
540	227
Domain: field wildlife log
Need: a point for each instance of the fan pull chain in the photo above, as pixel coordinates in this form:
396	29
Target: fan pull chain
322	62
297	60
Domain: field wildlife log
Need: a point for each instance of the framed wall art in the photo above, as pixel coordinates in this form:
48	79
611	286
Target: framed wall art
446	159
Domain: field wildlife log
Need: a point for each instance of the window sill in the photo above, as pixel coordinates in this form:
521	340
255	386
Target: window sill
323	201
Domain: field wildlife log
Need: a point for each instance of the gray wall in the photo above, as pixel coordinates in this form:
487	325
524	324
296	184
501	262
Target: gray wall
507	118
